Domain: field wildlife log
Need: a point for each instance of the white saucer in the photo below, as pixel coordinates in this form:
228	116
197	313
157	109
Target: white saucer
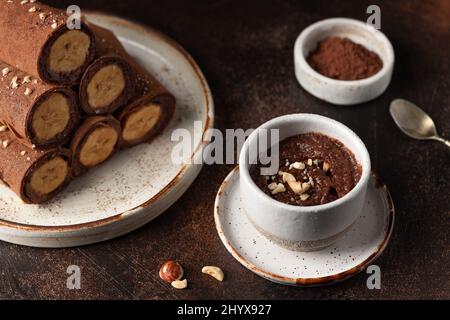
355	251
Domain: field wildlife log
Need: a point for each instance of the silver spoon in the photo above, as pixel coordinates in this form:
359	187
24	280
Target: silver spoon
414	122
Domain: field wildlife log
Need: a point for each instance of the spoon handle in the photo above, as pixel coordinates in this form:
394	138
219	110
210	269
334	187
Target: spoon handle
444	141
447	143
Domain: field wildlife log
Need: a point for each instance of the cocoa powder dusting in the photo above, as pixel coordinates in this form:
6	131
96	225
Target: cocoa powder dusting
342	59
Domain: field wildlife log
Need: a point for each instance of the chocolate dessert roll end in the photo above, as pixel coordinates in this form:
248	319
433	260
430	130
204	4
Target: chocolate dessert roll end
38	113
66	55
35	176
107	85
97	139
53	118
144	119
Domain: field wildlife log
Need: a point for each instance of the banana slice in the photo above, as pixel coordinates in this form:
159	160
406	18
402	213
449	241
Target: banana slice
69	51
51	117
141	122
105	86
98	146
49	176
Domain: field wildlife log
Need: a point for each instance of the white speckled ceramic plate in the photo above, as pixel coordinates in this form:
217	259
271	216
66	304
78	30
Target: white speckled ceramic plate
136	185
351	254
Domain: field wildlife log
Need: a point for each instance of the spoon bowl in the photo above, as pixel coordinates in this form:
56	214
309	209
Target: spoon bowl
414	122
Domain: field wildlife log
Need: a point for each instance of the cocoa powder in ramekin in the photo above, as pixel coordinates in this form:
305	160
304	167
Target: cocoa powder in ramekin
343	59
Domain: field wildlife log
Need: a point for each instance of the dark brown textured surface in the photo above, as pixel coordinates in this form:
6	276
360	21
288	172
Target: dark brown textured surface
245	50
26	39
17	108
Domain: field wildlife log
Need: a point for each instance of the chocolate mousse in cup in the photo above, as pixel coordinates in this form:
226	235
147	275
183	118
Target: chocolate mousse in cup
316	189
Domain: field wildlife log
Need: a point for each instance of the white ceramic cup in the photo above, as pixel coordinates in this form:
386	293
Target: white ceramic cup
294	227
341	92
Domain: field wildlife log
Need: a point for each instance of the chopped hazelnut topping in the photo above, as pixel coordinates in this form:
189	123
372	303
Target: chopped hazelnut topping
23	153
326	166
5	71
32	9
295	186
14	83
42	16
305	187
272	186
28	159
28	91
310	162
26	79
299	166
288	177
3	128
279	189
5	143
54	25
24	1
304	197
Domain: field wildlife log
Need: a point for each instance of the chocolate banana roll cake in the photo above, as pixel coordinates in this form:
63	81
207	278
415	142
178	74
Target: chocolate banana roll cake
36	176
97	139
152	106
35	38
108	83
39	114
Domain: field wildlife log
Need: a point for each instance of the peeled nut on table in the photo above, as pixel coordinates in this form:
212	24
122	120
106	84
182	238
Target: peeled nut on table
69	51
214	272
171	271
180	284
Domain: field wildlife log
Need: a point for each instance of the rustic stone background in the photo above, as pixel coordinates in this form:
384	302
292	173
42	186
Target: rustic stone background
245	51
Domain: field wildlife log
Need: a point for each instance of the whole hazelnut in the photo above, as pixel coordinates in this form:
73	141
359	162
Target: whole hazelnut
171	271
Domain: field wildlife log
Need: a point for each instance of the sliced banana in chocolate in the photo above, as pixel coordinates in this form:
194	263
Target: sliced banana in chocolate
36	176
39	40
107	85
38	114
97	139
46	177
140	122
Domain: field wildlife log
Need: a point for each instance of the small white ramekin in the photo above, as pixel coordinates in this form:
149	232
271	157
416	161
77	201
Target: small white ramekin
303	228
341	92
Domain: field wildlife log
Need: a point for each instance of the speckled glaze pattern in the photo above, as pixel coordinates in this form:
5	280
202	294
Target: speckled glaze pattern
137	184
357	249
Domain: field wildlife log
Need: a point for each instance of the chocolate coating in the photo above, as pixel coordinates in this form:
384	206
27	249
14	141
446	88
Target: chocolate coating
122	99
17	107
81	135
18	162
26	40
148	89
